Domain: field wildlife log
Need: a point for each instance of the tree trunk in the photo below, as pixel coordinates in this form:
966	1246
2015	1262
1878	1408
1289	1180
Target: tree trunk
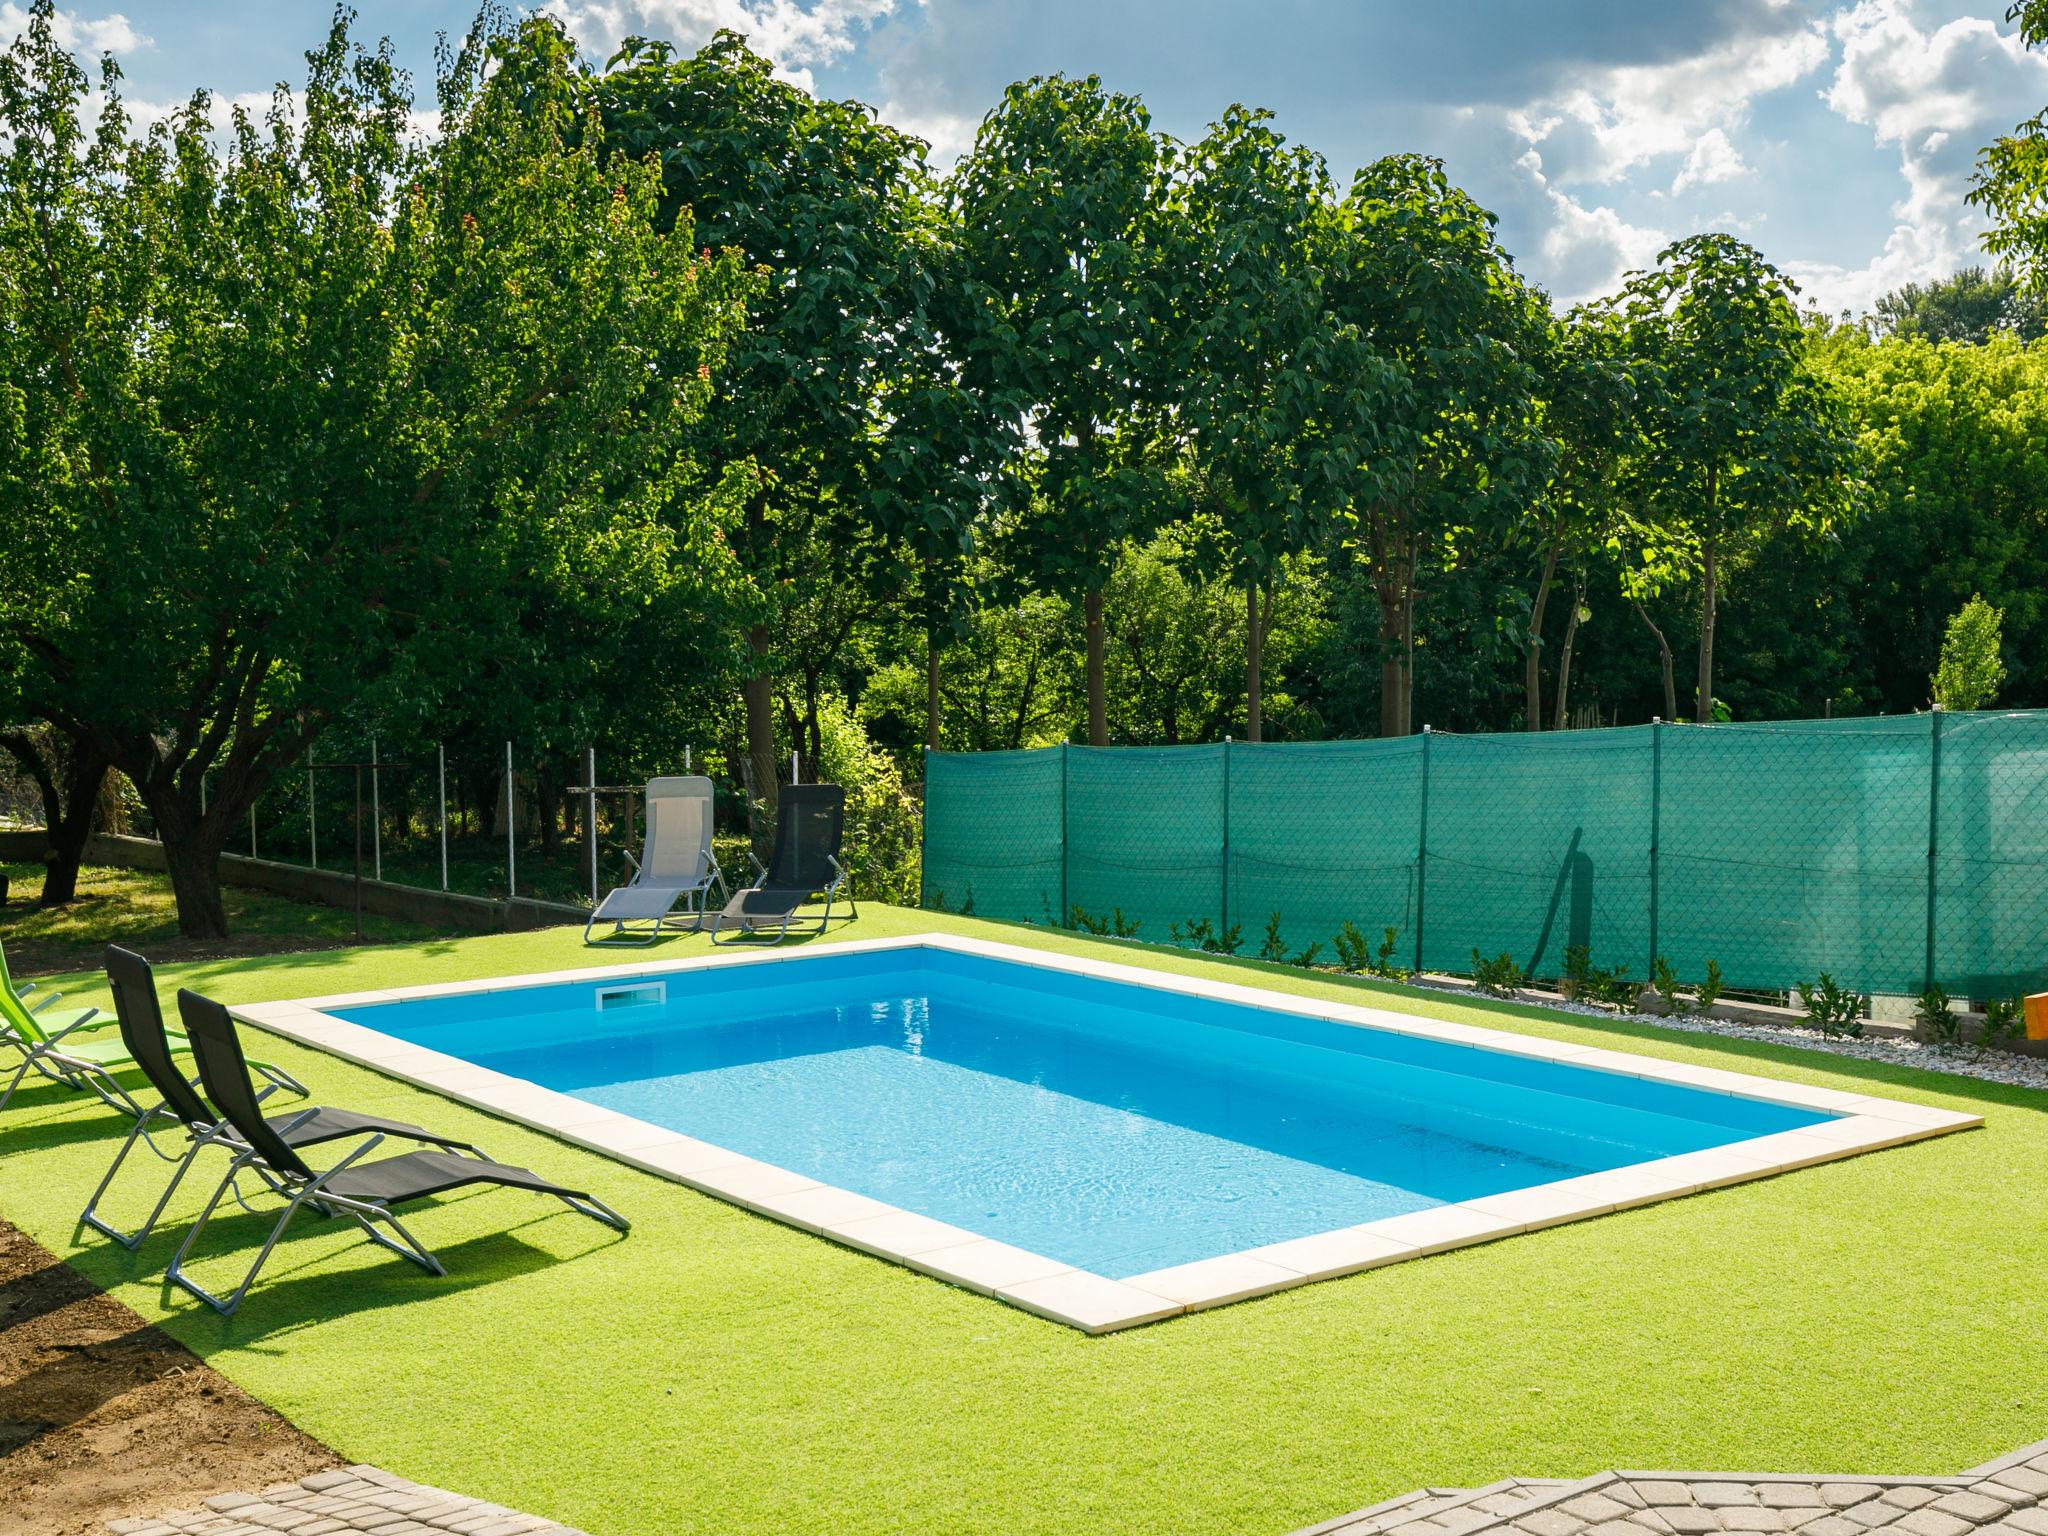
1564	655
194	868
69	784
931	688
1392	695
1254	663
73	829
1665	658
1098	696
1703	708
759	693
1532	673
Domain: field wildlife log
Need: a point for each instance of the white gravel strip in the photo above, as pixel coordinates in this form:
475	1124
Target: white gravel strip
1965	1061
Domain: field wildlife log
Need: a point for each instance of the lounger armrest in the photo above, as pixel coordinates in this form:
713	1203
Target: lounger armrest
84	1022
632	860
48	1003
760	869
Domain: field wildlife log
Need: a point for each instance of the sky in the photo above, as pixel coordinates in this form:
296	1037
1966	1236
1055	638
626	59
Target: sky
1836	137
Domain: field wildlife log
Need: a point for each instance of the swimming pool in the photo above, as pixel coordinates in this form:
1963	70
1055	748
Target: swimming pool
1130	1141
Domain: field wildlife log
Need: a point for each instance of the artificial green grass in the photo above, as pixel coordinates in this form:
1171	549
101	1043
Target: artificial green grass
716	1371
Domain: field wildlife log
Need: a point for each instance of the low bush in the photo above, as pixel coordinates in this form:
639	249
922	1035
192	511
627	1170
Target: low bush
1498	977
1831	1010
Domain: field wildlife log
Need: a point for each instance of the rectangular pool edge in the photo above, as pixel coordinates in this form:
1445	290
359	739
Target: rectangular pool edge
1060	1292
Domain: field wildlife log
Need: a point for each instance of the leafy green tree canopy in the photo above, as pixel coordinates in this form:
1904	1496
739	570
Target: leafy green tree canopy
1059	208
2012	174
1972	306
1745	438
313	422
1971	671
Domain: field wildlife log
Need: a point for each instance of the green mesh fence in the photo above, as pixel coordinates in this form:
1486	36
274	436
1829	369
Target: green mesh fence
1884	851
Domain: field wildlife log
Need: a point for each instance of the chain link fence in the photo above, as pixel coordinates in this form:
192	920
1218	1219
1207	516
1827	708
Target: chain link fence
1891	853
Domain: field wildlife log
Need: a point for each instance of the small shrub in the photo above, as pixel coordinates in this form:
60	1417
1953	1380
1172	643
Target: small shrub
1664	979
1113	926
1940	1024
1273	947
1354	954
1832	1010
934	901
1498	977
2004	1022
1708	992
1307	958
1200	933
1586	982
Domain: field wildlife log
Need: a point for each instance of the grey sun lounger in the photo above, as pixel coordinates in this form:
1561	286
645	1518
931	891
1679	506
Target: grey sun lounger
181	1108
809	825
367	1192
676	864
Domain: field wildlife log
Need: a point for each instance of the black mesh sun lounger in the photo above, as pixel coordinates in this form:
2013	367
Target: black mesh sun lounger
366	1192
143	1033
809	825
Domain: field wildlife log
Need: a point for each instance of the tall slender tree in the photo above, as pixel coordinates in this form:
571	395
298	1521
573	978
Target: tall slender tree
1060	206
1424	281
831	206
1745	438
1276	389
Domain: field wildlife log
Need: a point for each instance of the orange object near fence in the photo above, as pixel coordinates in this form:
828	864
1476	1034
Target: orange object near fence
2037	1016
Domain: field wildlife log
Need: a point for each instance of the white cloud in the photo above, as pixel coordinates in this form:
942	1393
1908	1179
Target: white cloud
92	35
1617	119
1934	94
1713	158
795	35
1586	251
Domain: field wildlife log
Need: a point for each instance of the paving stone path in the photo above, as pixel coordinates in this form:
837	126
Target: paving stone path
2007	1497
355	1499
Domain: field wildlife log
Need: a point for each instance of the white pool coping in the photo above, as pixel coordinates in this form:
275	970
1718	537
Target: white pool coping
1077	1297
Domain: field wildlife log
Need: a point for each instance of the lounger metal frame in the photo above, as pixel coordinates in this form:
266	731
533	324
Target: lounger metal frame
623	933
747	930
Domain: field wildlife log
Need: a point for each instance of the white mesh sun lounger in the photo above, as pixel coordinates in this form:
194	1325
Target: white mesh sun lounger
677	864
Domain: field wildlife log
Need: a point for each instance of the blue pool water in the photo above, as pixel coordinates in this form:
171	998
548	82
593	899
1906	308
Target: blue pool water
1112	1126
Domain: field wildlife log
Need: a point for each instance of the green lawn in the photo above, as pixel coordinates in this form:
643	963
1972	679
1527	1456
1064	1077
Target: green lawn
135	907
717	1372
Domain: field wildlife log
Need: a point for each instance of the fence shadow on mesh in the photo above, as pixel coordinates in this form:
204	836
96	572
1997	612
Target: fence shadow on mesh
1890	853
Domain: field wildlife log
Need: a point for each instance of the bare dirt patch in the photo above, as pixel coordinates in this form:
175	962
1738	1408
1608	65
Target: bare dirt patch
103	1416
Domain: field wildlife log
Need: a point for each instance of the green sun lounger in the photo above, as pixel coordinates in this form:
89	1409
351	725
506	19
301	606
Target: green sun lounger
46	1039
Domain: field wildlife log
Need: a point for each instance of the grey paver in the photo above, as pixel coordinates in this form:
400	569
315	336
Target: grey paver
1690	1519
1842	1495
1720	1495
1975	1507
1831	1525
1659	1494
1931	1522
1908	1497
1745	1517
2033	1521
1548	1522
1592	1508
1791	1495
2015	1495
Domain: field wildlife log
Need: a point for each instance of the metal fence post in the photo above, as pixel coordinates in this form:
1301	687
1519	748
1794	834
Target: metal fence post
795	772
376	818
441	783
590	811
1656	825
1933	831
924	824
252	829
1065	909
312	815
1422	851
1225	922
511	829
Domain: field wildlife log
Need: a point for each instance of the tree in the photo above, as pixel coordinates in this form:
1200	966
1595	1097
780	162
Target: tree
1589	396
2011	183
296	420
69	779
1971	672
1971	306
1744	437
1059	207
1278	392
831	205
1429	290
